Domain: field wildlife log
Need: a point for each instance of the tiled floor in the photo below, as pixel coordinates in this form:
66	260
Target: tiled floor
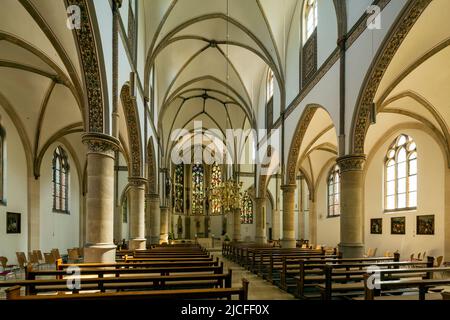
259	289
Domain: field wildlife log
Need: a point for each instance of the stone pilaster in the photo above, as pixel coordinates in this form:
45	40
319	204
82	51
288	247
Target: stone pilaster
236	225
100	197
152	219
288	240
260	206
164	231
352	206
34	230
137	213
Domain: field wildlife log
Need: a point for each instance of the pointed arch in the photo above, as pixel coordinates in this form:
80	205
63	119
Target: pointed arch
133	129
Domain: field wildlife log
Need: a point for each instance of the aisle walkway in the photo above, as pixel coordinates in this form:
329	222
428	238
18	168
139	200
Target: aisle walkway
259	289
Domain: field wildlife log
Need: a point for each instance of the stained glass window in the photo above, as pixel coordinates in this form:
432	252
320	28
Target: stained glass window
401	174
179	188
60	181
310	18
216	180
246	209
334	187
197	188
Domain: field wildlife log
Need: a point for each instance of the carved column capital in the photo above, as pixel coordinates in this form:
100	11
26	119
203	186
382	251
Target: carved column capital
353	162
99	143
288	188
137	181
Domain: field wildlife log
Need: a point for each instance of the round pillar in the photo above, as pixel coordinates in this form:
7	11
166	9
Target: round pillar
152	219
137	213
352	211
260	236
288	240
164	231
100	197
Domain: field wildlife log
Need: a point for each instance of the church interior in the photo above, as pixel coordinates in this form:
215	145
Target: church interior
225	149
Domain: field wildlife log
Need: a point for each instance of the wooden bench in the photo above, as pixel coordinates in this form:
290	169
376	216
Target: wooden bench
386	285
215	293
154	282
310	272
349	282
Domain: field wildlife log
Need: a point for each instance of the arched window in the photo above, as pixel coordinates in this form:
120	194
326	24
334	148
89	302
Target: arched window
216	181
246	209
309	42
197	189
60	181
179	188
310	19
334	192
401	174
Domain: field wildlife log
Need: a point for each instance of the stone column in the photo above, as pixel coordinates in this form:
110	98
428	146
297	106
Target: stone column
288	240
137	213
276	224
301	213
312	223
152	219
164	231
100	197
236	225
260	204
352	209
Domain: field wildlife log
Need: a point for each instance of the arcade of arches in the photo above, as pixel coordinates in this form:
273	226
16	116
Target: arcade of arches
339	122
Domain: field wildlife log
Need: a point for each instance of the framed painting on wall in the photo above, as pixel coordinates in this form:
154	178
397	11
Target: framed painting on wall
12	222
425	225
398	225
376	226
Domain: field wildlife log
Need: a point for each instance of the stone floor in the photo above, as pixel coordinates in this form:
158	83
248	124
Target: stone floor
259	289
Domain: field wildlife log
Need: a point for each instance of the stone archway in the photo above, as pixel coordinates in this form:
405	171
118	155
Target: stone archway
361	122
294	150
151	168
94	98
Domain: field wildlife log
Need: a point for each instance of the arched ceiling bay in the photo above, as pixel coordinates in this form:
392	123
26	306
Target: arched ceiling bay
415	86
218	48
40	74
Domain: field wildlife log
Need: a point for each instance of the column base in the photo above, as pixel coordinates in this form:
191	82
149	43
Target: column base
163	238
260	240
154	240
100	253
288	243
137	244
351	250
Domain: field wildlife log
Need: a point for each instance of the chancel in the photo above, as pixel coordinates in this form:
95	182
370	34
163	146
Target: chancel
224	149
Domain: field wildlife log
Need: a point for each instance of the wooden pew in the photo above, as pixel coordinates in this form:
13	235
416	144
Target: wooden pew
310	272
339	282
146	282
104	271
216	293
386	285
